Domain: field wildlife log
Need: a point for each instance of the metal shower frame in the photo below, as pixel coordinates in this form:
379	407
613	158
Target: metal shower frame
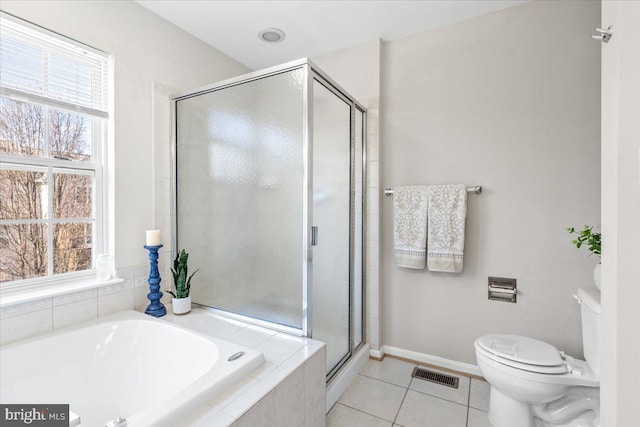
311	72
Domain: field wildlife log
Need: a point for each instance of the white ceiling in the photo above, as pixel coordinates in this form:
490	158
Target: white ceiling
311	27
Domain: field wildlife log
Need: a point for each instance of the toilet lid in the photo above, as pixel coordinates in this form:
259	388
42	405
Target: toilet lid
550	370
522	350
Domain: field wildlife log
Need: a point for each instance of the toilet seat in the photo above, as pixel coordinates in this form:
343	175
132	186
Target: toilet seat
523	353
548	370
576	372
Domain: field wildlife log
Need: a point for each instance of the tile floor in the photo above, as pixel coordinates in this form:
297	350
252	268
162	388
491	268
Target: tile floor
384	394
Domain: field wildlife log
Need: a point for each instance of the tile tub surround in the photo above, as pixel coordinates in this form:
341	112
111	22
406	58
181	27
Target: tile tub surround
288	390
385	394
44	314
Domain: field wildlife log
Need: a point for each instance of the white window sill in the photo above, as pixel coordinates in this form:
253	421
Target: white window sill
9	297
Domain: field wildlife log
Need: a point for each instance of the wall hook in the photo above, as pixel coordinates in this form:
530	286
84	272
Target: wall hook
605	35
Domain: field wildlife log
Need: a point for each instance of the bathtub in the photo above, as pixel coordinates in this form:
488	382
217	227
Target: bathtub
151	372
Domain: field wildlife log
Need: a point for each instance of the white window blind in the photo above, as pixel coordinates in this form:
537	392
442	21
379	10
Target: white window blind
46	65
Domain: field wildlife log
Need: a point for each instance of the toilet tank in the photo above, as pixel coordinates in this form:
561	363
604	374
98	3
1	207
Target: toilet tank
590	311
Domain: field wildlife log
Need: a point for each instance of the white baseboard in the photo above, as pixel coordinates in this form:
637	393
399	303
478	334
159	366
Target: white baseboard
466	368
341	381
377	354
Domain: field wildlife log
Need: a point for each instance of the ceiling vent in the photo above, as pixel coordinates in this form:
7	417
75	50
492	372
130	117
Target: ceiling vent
271	35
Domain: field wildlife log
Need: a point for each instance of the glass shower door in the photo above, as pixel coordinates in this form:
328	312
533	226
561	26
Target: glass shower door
239	196
332	217
269	203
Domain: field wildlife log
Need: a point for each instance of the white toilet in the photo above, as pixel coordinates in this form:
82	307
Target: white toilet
533	384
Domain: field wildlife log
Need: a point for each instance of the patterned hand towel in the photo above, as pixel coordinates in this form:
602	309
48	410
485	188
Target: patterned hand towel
410	226
445	237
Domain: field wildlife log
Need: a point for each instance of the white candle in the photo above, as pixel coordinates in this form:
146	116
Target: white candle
153	237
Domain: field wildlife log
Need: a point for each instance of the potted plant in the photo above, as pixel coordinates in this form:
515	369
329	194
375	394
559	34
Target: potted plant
592	240
181	301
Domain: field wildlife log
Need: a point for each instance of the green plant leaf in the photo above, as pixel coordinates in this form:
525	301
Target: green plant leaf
180	273
588	237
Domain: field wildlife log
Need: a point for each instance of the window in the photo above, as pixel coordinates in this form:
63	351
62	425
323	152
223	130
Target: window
53	132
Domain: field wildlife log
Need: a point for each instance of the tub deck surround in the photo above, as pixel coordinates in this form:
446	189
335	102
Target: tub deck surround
288	389
151	372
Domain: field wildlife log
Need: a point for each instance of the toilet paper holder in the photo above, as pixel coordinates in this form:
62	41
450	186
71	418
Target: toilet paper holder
503	289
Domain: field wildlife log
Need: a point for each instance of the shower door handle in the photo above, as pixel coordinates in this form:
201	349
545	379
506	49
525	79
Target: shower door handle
314	236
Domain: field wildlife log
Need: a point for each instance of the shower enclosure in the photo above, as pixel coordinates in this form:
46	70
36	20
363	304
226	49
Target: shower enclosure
269	202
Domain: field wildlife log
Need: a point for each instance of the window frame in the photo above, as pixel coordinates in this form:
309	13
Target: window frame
100	167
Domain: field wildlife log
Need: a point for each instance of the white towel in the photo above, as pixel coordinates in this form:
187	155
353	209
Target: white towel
410	226
447	212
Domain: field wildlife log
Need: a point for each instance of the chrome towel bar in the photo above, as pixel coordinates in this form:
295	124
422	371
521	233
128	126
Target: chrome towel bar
475	190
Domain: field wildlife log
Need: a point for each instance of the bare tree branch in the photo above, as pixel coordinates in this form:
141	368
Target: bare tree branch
25	194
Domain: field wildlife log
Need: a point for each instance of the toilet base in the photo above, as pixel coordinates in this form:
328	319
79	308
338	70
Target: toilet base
579	408
586	421
507	412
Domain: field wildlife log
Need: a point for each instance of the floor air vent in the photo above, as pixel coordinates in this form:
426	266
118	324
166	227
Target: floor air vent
435	377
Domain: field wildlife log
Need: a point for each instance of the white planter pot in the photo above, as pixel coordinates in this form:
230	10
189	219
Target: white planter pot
596	275
181	305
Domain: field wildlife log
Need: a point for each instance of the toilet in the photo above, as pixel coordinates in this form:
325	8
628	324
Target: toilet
533	384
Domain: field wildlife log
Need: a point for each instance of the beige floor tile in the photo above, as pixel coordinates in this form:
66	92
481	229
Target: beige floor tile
373	397
458	395
343	416
390	370
478	418
421	410
479	396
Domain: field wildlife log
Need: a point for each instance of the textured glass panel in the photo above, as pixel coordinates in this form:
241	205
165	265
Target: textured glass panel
21	128
240	196
72	195
23	194
358	232
331	195
72	247
23	251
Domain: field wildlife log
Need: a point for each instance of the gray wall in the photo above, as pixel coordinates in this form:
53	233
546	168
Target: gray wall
510	101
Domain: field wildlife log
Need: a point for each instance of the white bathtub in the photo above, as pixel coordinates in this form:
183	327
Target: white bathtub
149	371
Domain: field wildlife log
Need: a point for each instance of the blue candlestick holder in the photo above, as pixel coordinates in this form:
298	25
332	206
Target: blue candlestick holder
156	308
